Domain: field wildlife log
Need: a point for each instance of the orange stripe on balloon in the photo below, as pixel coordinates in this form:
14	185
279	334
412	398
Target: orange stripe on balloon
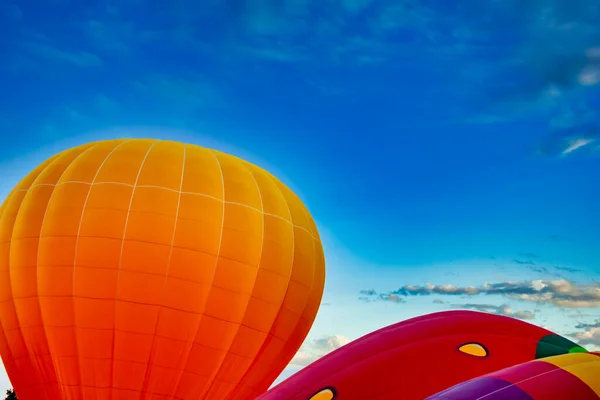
588	372
557	384
565	360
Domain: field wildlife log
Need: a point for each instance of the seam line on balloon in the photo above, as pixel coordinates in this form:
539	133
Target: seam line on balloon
181	341
314	265
10	298
77	246
262	211
140	186
129	302
183	192
170	338
152	274
206	389
312	283
203	314
9	356
127	331
220	368
121	260
150	362
37	258
270	335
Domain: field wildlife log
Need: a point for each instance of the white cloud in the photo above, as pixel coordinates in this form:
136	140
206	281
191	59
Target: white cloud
589	76
576	144
503	309
589	338
317	348
76	58
559	292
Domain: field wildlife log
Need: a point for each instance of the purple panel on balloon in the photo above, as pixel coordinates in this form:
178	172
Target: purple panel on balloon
491	388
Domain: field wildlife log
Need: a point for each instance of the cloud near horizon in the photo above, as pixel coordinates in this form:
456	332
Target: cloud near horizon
560	293
314	349
503	309
589	334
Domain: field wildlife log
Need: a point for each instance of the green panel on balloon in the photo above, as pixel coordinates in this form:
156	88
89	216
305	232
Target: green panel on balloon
554	345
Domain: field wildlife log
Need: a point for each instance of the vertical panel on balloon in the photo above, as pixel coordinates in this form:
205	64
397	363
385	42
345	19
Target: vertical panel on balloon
202	173
14	353
271	286
194	258
124	163
239	256
32	217
316	295
209	350
277	258
58	245
179	320
146	256
299	287
95	281
295	327
100	247
237	265
26	376
23	278
302	285
205	358
238	268
163	167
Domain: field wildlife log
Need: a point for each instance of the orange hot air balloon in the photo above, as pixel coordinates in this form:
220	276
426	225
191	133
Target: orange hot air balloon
148	269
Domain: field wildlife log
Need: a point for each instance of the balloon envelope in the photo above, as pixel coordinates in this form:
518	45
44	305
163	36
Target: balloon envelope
419	357
147	269
569	376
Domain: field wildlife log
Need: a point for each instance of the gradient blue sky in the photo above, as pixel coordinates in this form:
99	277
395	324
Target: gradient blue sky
452	143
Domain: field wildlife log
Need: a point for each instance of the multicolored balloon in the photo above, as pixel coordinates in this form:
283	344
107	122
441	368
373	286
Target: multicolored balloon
149	269
569	376
419	357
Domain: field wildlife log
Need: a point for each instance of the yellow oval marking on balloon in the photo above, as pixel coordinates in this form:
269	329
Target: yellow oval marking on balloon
325	394
473	349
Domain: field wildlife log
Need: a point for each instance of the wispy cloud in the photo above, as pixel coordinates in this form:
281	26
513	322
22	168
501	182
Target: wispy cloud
560	293
370	295
548	54
589	334
576	144
565	141
73	57
579	314
588	325
588	337
314	349
503	309
524	262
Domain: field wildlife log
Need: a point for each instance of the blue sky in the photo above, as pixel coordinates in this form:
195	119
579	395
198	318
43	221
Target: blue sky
449	143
